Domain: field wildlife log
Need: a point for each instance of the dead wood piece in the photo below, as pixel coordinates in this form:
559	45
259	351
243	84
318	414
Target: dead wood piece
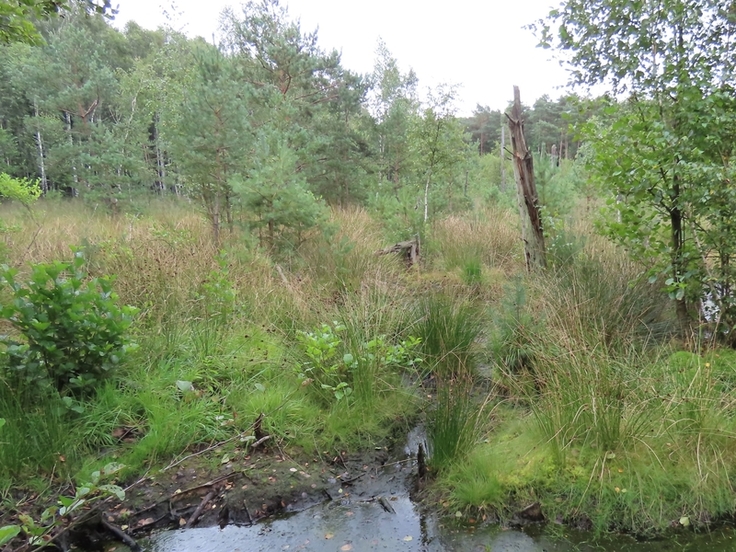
259	442
152	523
351	480
198	512
532	513
258	427
119	534
422	462
409	250
386	505
528	200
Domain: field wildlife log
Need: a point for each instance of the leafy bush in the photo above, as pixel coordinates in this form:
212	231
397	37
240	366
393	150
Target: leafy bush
336	366
73	328
19	189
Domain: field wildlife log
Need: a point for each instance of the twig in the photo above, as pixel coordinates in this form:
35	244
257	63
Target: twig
208	484
193	519
351	479
119	533
228	440
260	441
250	518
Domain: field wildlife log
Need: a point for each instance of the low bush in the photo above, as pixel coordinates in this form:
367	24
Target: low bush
71	333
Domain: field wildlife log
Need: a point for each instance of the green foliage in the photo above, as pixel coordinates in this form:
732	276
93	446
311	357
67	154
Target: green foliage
73	329
449	328
453	423
8	533
86	493
19	189
333	367
217	296
322	368
472	271
277	195
514	328
664	154
18	18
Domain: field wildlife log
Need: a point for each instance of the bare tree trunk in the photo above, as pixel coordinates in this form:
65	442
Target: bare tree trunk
503	166
216	220
426	196
75	176
531	216
160	161
39	145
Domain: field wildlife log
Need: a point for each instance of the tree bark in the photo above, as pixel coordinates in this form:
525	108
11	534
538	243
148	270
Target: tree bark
39	145
503	148
531	216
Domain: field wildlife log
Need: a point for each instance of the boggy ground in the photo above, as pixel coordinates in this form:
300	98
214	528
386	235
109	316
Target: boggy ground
242	487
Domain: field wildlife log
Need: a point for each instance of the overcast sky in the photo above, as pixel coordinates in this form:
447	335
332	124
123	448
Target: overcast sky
477	44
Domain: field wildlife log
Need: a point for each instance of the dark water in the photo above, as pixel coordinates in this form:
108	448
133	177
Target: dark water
377	514
368	527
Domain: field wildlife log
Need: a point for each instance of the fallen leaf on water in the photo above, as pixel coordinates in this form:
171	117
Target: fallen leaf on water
346	547
328	536
407	538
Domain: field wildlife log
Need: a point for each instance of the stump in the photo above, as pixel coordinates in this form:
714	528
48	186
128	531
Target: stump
408	250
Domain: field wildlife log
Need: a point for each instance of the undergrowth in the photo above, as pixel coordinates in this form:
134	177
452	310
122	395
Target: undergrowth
565	388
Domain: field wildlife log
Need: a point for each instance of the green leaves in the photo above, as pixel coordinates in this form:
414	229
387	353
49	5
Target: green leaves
19	189
72	329
332	368
8	532
666	153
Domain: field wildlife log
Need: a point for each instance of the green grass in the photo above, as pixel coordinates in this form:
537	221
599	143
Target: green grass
453	422
449	328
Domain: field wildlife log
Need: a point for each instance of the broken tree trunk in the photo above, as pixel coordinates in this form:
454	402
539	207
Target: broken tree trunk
531	217
409	251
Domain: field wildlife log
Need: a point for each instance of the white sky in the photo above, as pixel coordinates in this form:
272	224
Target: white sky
477	44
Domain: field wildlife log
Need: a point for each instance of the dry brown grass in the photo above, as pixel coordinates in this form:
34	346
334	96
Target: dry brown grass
490	236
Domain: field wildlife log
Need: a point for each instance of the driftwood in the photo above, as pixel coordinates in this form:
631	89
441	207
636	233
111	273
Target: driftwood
409	251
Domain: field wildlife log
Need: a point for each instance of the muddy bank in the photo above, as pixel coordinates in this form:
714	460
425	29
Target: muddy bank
242	489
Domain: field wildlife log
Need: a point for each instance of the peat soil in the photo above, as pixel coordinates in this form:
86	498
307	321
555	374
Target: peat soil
239	486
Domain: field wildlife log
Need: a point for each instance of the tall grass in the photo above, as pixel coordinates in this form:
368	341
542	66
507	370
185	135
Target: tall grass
449	328
489	237
454	421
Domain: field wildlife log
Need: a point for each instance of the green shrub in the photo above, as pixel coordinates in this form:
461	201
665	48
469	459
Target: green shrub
73	331
334	367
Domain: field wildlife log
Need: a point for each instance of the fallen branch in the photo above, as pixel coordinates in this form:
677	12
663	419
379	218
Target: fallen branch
121	535
198	512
